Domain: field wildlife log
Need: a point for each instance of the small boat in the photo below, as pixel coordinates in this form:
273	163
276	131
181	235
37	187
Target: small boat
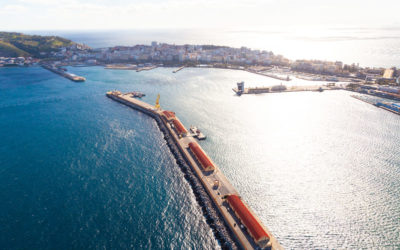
137	94
197	133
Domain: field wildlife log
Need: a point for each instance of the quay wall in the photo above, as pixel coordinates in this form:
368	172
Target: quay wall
213	217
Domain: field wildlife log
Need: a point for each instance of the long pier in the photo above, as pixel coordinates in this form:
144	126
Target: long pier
287	78
264	90
235	225
178	69
61	72
145	68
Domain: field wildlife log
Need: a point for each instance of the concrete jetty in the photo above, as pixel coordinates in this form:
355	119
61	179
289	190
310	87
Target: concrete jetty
146	68
63	73
178	69
240	90
235	224
282	78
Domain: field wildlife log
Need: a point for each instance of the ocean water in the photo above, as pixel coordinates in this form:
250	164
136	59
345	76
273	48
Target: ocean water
368	46
78	170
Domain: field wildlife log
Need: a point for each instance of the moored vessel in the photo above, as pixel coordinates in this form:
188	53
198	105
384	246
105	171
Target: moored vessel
197	133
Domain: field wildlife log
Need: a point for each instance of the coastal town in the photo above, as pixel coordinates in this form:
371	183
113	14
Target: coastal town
17	61
145	57
380	82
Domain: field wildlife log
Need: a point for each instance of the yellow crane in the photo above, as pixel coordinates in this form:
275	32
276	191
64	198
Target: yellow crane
158	102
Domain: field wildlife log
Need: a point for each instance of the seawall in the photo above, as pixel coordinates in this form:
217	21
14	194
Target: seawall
67	75
213	216
232	220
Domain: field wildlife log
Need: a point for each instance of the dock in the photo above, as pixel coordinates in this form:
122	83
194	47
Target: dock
287	78
146	68
121	66
64	73
178	69
240	90
234	223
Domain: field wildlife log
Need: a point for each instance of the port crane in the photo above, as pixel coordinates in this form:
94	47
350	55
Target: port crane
158	102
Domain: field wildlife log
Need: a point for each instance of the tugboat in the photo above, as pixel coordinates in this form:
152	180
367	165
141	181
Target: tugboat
137	94
197	133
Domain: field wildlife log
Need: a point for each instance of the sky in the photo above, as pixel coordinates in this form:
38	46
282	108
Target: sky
188	14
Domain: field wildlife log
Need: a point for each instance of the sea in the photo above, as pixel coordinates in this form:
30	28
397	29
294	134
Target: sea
80	171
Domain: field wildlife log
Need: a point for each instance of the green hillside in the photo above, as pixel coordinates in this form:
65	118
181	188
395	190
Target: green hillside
17	44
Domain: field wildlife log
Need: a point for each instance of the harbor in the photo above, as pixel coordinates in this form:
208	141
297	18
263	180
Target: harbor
64	73
240	89
235	224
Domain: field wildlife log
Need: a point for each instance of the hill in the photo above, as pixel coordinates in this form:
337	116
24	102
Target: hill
14	44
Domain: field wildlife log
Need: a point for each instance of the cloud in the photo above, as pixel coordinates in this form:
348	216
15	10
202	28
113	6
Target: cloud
13	8
42	2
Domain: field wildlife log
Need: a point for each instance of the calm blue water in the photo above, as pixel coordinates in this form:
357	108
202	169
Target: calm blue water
78	170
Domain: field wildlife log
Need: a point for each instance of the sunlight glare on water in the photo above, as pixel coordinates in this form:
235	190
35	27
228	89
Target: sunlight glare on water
81	171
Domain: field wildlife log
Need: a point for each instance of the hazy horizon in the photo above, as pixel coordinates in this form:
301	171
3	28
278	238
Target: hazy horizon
224	14
352	32
367	46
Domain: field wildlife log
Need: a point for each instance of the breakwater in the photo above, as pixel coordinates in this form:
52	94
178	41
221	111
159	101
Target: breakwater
63	73
145	68
233	222
281	89
178	69
213	217
282	78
